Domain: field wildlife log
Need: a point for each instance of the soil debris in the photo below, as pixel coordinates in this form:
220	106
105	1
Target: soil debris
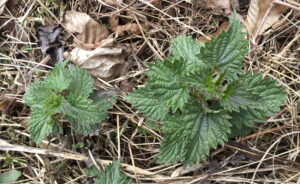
51	42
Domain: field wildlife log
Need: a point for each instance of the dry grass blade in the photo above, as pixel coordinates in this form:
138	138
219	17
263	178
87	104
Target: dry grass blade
5	146
2	5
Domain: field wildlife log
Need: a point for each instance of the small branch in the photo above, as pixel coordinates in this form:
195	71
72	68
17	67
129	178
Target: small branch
263	132
5	146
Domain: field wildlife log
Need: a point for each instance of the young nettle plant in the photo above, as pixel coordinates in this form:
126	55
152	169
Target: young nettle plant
64	94
111	175
203	97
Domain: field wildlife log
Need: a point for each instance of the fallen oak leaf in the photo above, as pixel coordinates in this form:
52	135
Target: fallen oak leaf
262	14
103	62
89	31
130	28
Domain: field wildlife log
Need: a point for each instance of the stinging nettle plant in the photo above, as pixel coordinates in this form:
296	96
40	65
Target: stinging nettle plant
203	97
66	93
111	175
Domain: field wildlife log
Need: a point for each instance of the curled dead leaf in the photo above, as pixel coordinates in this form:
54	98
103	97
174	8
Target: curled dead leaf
262	14
129	28
89	31
2	5
127	85
106	62
95	50
5	105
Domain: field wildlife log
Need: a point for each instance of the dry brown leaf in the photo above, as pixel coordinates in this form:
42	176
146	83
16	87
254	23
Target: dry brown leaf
10	27
224	26
262	14
222	7
89	31
114	21
5	105
106	62
2	5
130	28
127	86
13	6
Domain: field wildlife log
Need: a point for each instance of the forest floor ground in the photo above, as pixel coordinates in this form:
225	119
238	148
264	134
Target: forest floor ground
269	154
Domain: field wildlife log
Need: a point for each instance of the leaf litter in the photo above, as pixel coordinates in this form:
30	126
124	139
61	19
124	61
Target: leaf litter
103	62
183	19
7	26
89	32
129	28
95	50
262	14
2	5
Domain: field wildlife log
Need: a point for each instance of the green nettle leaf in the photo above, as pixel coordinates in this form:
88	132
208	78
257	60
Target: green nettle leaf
147	101
40	125
238	95
112	175
81	82
91	171
84	113
190	134
58	80
203	97
10	176
226	52
65	92
269	98
35	94
185	48
167	89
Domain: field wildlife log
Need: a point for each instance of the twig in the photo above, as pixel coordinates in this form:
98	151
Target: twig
269	149
5	146
175	19
262	21
287	5
263	132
